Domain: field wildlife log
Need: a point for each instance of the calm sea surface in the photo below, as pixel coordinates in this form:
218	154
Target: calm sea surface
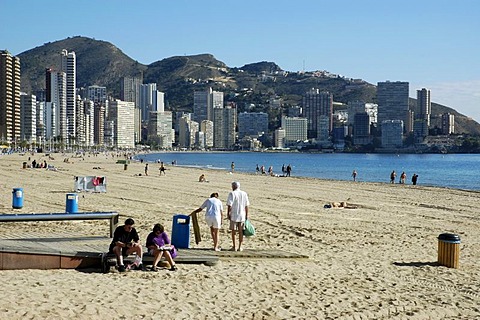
459	171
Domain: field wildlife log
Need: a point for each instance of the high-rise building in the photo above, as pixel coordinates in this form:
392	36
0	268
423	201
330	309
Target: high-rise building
28	118
9	97
69	66
207	128
121	114
295	129
97	94
130	89
252	124
224	124
392	99
99	118
56	97
204	103
361	128
392	134
187	132
160	128
317	104
424	105
448	123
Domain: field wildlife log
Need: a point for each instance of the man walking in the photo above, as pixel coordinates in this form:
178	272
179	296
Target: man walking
237	213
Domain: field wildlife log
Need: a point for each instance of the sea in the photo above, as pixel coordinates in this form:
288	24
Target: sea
459	171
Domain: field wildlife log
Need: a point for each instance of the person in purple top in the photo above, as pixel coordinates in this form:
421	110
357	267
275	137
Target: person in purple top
158	245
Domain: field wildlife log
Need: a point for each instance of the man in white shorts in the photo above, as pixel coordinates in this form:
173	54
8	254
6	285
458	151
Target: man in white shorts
213	217
237	203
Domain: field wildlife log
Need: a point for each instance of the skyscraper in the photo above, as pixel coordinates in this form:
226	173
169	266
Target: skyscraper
224	123
9	97
69	66
120	113
392	99
204	102
424	105
28	117
315	105
56	98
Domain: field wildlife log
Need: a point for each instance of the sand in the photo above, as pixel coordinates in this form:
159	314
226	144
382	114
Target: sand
377	261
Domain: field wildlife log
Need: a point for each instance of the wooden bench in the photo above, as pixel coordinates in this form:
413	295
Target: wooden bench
25	217
185	256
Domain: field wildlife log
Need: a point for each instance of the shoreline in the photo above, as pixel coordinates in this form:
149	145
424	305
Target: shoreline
375	261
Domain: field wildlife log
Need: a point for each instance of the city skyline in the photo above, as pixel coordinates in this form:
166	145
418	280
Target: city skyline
430	44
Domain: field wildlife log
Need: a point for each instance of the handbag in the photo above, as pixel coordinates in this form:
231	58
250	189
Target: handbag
249	229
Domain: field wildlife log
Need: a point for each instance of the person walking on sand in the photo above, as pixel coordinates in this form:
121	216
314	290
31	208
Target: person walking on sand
354	175
289	170
162	168
237	213
414	179
403	177
393	175
146	169
213	217
232	166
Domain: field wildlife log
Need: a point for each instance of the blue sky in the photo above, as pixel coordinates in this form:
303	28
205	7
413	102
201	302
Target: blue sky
429	43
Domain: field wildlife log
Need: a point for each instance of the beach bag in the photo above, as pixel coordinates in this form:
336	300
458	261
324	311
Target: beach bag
249	229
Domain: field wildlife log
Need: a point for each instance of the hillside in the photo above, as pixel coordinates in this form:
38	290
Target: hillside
252	86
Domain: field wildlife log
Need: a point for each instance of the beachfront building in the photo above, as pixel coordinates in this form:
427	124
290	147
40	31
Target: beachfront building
160	128
99	117
28	118
69	66
315	105
56	95
361	128
187	133
206	127
204	103
392	134
295	129
279	138
424	105
150	100
420	130
392	99
448	123
9	97
121	116
224	124
252	124
85	122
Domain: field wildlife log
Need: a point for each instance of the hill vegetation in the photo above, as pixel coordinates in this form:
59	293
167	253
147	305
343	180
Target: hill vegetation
252	87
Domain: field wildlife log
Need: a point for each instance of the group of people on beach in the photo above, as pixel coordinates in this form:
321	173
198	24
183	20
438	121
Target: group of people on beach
286	171
403	177
237	214
126	240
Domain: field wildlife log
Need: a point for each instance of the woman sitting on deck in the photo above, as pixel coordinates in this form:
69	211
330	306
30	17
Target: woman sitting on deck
158	245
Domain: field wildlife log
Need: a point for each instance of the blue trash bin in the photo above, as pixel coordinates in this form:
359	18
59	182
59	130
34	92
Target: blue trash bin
181	231
17	200
72	203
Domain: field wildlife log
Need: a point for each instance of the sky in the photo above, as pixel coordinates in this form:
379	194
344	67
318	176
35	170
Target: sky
432	44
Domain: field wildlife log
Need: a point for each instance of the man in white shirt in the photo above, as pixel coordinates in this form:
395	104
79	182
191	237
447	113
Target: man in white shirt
237	203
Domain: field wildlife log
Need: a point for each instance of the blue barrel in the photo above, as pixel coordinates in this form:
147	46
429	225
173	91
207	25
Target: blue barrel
17	201
72	203
181	231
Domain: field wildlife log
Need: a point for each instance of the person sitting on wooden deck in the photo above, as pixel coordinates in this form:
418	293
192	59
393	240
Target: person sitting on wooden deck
125	242
158	245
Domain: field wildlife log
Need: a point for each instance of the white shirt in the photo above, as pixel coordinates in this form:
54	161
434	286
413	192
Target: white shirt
214	207
237	200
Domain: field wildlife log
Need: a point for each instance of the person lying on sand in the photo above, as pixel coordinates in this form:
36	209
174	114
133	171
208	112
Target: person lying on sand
339	205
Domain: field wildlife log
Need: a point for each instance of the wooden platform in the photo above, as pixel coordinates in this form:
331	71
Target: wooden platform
29	250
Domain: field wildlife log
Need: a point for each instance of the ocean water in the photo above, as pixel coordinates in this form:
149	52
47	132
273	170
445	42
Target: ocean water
460	171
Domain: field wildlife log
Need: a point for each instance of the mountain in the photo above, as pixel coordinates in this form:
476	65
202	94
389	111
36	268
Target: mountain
252	87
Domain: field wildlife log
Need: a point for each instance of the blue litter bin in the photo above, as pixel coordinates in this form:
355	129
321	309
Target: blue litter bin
181	231
72	203
17	200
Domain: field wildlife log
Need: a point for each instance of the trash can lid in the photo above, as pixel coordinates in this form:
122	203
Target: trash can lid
449	237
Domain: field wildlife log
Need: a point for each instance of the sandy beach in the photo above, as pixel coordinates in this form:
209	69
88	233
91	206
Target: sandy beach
377	261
